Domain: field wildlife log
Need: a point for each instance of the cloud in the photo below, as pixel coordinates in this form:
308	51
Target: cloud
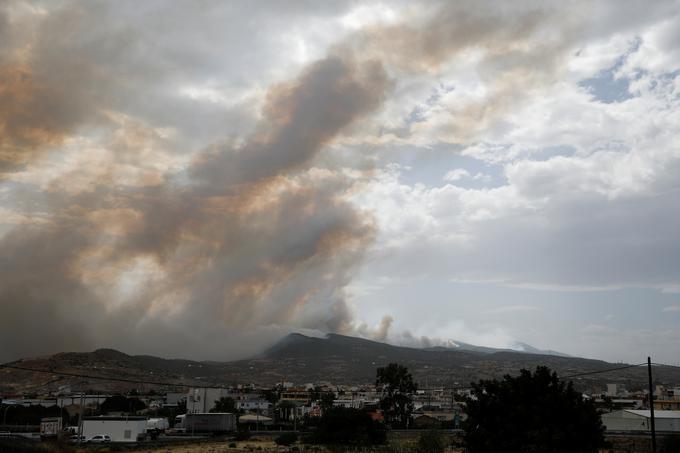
511	309
461	173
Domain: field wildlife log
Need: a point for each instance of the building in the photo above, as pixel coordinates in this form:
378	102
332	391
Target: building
87	400
173	399
201	400
667	405
667	398
120	429
639	420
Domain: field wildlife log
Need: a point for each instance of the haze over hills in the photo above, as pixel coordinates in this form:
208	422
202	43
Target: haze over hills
297	358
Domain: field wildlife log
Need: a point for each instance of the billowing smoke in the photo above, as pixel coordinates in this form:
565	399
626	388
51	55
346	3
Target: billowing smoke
247	238
143	245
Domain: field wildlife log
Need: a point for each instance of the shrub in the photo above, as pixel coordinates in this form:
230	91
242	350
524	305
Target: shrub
345	426
431	441
671	444
242	434
286	439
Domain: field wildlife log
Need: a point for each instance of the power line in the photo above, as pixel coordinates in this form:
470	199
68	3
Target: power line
105	378
185	385
666	365
588	373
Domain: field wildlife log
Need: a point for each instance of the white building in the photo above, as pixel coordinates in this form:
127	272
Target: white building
639	420
120	429
253	404
201	400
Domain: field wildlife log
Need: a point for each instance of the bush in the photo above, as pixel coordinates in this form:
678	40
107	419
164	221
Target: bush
345	426
232	445
286	439
21	446
671	444
431	441
242	434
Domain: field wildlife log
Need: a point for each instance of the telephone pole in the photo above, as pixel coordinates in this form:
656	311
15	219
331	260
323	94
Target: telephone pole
651	403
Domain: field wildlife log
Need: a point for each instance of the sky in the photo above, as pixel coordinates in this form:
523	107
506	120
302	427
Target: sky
198	179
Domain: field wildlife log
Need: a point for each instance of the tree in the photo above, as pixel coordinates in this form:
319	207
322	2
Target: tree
224	404
327	400
119	403
531	413
346	426
396	386
272	395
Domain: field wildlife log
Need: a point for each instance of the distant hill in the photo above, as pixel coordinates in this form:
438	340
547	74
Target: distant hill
302	359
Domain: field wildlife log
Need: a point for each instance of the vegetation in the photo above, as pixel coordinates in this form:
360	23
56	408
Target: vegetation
21	446
225	404
326	402
671	444
120	403
431	441
272	395
345	426
29	415
286	439
531	413
396	386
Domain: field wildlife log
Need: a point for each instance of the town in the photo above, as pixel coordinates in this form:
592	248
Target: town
287	412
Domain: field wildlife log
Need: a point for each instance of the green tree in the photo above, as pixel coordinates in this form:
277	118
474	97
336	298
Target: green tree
224	404
120	403
531	413
272	395
346	426
396	387
327	400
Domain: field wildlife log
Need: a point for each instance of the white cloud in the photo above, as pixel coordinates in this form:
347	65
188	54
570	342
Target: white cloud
511	309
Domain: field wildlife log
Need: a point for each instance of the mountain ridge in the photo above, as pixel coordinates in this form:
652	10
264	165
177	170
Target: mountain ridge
301	359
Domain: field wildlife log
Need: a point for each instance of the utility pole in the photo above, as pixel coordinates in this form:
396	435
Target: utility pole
80	417
651	403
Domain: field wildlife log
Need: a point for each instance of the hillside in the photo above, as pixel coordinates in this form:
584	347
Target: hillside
301	359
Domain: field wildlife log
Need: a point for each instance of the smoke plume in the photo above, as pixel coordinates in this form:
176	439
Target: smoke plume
127	239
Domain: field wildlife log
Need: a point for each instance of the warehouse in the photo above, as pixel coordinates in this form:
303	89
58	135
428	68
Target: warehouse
120	429
639	420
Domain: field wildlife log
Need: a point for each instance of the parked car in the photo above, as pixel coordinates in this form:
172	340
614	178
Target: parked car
99	439
76	439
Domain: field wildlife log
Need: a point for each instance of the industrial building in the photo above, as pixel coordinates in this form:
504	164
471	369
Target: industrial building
639	420
120	429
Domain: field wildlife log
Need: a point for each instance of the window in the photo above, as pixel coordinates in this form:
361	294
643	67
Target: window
127	434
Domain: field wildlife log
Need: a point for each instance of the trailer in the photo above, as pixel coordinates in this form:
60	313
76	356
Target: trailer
208	423
157	424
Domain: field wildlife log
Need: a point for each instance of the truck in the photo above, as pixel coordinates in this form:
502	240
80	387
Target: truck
206	423
50	427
